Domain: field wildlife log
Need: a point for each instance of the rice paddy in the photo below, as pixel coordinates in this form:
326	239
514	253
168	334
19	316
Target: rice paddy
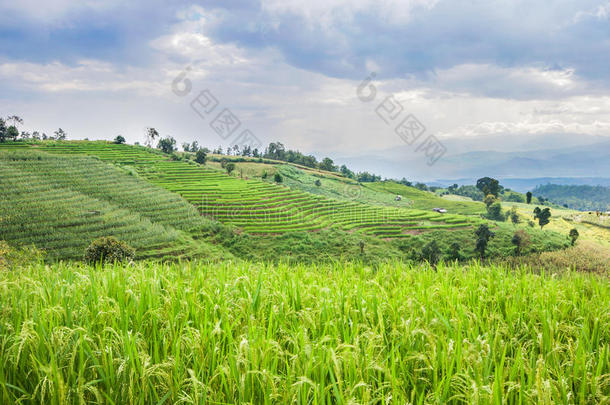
61	204
258	207
342	334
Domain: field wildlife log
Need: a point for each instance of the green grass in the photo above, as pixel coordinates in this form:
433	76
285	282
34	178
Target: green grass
342	333
61	204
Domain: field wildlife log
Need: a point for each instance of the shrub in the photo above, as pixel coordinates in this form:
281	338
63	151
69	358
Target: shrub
119	140
318	183
229	167
278	178
431	252
108	249
200	156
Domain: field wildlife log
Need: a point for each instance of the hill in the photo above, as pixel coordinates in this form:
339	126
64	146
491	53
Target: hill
257	219
60	204
584	198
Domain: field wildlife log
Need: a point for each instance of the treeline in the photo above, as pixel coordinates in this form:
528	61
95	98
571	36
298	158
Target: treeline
584	198
277	151
9	131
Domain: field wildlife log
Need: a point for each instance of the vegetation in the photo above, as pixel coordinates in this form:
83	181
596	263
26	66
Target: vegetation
241	333
483	235
586	198
573	235
109	249
61	204
542	215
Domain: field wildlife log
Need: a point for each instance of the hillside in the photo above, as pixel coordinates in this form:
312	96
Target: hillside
582	197
259	207
61	204
249	217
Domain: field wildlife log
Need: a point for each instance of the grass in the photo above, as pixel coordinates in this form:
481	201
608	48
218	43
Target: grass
342	333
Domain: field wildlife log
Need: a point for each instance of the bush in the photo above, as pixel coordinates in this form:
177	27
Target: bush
278	178
11	258
200	156
108	249
119	140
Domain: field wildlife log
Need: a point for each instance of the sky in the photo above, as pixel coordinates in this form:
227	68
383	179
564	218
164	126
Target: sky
472	75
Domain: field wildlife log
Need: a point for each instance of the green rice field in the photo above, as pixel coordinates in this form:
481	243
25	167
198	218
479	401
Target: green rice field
254	333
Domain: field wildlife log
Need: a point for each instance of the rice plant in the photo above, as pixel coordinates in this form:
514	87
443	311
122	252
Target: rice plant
342	334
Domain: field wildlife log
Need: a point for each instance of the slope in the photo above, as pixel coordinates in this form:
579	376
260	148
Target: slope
60	204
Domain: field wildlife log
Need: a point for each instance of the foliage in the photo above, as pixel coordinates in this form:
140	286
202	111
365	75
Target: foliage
229	167
119	140
573	236
483	235
167	145
521	240
431	252
342	333
277	178
318	183
454	252
468	191
528	197
542	215
488	186
585	257
200	156
109	249
513	215
328	165
582	197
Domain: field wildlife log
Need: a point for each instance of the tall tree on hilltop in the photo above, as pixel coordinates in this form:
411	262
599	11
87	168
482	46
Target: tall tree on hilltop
488	186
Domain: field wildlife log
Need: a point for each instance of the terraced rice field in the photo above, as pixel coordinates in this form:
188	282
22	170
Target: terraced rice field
255	206
61	204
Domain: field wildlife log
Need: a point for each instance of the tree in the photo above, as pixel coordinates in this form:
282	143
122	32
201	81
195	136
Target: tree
328	165
454	252
494	211
167	144
108	250
12	132
489	199
574	235
514	216
60	134
186	146
278	178
520	239
431	252
528	197
151	135
483	235
229	167
119	140
488	185
2	130
543	216
200	156
16	120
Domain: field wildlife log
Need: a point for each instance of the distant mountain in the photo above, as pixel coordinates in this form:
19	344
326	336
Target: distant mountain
523	185
590	160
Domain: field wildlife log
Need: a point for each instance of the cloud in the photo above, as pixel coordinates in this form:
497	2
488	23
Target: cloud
289	69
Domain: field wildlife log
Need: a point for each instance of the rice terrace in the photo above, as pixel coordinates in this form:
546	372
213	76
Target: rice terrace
335	203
